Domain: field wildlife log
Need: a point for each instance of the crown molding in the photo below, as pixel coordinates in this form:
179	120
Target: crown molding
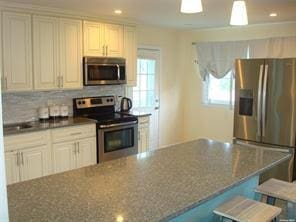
50	11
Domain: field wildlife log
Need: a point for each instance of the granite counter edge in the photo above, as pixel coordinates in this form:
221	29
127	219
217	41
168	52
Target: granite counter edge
85	121
240	181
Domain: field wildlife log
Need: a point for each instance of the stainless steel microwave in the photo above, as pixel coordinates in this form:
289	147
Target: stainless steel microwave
104	71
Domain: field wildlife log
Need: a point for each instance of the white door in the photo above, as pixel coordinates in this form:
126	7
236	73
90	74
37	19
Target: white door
46	51
17	51
114	40
34	163
93	38
86	152
12	168
71	53
64	156
146	94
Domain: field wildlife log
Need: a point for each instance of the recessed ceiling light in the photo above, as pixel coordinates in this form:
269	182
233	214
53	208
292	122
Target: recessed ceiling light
239	14
273	14
118	11
191	6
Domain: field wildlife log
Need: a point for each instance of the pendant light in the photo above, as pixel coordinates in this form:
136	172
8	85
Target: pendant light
191	6
239	13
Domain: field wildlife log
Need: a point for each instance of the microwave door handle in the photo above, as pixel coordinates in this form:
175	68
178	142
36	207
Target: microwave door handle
118	72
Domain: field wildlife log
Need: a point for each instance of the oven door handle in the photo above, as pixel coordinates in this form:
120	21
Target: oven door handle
117	124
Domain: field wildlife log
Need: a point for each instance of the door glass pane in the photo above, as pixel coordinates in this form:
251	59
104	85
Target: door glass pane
151	82
143	93
151	67
118	139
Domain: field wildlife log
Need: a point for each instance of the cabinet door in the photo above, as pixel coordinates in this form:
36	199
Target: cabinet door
71	53
87	150
17	51
143	138
93	38
45	44
34	162
130	54
114	40
64	156
12	168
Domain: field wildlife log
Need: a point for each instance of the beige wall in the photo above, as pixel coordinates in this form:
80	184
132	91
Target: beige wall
171	108
202	121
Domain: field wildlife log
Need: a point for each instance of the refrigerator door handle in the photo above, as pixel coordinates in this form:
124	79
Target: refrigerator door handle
259	101
264	100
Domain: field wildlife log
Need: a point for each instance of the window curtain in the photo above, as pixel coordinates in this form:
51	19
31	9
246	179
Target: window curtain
217	58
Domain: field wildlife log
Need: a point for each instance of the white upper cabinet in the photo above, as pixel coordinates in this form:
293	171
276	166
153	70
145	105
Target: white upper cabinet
113	40
103	39
130	54
46	52
57	53
94	44
17	51
71	53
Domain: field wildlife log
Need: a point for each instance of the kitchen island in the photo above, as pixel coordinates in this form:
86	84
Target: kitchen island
179	183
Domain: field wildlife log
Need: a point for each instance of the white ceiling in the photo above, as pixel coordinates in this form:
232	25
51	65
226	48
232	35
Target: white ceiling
216	13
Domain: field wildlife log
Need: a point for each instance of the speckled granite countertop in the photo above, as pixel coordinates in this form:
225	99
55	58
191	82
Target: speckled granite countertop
155	186
29	127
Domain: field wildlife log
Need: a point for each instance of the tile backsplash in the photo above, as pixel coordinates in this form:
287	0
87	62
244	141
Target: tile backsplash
23	106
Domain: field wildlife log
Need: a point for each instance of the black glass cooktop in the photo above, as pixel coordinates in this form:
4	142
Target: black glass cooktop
112	118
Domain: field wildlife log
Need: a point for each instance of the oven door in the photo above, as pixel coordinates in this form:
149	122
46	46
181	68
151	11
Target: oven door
117	140
104	74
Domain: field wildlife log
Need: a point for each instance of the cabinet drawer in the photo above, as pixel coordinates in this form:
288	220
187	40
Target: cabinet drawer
26	140
73	133
144	119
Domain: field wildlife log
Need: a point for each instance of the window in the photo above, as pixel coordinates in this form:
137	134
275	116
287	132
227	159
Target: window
219	91
144	92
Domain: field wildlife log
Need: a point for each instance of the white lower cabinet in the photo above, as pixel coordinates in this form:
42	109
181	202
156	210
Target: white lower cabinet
74	147
32	155
34	163
27	161
143	134
86	152
72	155
12	168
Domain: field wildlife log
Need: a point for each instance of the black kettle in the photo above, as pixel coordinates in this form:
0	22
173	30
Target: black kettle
126	104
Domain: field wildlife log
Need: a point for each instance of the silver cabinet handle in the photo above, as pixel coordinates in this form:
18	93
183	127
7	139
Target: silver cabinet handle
73	134
62	81
107	50
78	147
103	50
6	82
58	82
18	158
22	155
139	135
75	148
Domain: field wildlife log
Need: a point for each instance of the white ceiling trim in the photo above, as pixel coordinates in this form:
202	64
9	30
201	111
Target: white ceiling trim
49	11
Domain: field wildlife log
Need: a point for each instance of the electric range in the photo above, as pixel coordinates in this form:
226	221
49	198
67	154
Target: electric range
117	133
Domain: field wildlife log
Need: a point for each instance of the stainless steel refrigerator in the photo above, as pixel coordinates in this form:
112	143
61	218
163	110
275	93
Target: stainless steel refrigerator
265	108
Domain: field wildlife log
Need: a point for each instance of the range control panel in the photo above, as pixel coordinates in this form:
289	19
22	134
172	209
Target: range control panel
90	102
